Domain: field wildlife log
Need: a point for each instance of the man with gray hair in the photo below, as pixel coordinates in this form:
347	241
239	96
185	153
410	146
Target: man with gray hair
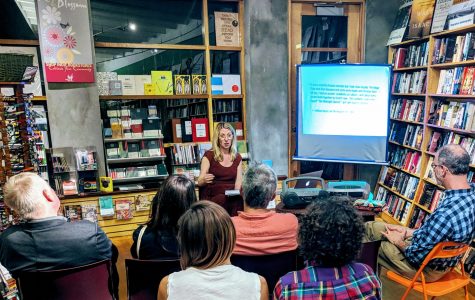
404	249
260	231
46	241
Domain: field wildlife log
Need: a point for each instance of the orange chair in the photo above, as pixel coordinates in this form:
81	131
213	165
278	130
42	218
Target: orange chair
447	284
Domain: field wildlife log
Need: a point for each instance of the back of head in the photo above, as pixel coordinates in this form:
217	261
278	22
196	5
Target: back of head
174	197
331	232
23	193
455	158
206	235
259	184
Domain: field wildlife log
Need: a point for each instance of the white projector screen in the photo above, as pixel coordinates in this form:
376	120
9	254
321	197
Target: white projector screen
343	113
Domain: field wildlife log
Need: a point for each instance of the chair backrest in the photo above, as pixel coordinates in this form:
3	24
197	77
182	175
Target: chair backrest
90	281
368	254
445	250
271	267
144	276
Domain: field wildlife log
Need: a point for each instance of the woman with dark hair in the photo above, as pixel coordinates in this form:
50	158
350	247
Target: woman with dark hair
330	237
157	238
207	237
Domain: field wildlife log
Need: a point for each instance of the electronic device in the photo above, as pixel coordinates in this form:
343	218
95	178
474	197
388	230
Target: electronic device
304	191
353	189
105	184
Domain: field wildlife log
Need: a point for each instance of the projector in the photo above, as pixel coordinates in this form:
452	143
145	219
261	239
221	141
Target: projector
353	189
303	192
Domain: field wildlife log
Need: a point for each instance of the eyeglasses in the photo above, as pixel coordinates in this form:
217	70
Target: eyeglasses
224	137
435	165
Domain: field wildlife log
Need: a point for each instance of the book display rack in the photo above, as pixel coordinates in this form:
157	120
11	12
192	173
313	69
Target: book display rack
150	119
432	104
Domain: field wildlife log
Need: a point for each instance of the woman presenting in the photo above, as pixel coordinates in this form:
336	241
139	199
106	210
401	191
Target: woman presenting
221	170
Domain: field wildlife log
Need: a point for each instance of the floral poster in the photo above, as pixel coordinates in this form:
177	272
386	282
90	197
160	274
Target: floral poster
65	40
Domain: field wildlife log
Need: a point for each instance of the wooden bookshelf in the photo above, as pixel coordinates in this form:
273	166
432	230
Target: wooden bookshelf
410	69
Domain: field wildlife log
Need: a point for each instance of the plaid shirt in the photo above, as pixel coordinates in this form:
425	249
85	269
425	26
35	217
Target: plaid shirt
353	281
453	220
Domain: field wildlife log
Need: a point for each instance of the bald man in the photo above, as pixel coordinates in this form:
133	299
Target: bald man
403	249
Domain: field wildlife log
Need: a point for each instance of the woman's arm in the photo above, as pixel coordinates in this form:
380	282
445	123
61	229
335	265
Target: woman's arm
205	177
264	288
162	289
238	183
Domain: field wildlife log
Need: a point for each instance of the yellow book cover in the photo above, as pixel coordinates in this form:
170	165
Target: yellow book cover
182	85
163	82
199	84
421	18
149	89
116	130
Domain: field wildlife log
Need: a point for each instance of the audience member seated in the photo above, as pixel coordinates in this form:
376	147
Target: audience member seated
157	238
330	238
261	231
44	240
403	249
207	237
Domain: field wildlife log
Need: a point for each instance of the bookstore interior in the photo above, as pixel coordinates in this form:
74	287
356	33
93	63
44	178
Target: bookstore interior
155	79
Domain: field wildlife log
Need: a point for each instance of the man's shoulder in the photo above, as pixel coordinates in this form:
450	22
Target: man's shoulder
285	217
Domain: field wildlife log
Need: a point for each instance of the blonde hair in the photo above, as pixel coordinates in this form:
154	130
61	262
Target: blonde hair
22	193
206	235
218	155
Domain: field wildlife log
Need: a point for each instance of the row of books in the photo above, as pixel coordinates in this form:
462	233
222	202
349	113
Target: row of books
406	134
125	149
453	114
227	106
439	139
399	181
454	48
8	286
407	109
413	83
134	172
188	130
180	102
413	56
124	208
430	196
395	206
456	81
418	218
229	118
135	113
182	154
65	185
80	212
405	159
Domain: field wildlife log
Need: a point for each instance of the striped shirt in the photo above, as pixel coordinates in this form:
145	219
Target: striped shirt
453	220
353	281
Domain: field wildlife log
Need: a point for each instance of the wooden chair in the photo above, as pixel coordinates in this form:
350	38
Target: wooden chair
447	284
144	276
369	255
90	282
271	267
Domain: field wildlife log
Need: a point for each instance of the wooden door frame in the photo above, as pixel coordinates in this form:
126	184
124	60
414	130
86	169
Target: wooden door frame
356	21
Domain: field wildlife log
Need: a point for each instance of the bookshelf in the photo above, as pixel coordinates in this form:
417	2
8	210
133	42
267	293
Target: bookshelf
448	106
207	58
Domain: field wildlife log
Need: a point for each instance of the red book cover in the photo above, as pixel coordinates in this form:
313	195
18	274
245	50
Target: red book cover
239	130
200	132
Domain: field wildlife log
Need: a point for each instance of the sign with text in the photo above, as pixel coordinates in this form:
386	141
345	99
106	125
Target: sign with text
65	40
226	28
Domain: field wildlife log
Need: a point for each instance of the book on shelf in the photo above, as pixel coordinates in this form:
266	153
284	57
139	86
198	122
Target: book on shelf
227	28
412	56
163	82
186	131
89	212
143	202
400	23
182	85
200	131
441	11
226	84
115	87
73	212
150	89
421	18
199	84
434	141
133	149
176	130
102	79
409	83
128	84
124	209
140	82
239	130
151	128
460	14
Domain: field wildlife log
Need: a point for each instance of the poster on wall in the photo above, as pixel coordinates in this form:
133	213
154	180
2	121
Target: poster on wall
65	40
227	28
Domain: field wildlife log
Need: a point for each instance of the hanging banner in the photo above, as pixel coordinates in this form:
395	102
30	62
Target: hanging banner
65	40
